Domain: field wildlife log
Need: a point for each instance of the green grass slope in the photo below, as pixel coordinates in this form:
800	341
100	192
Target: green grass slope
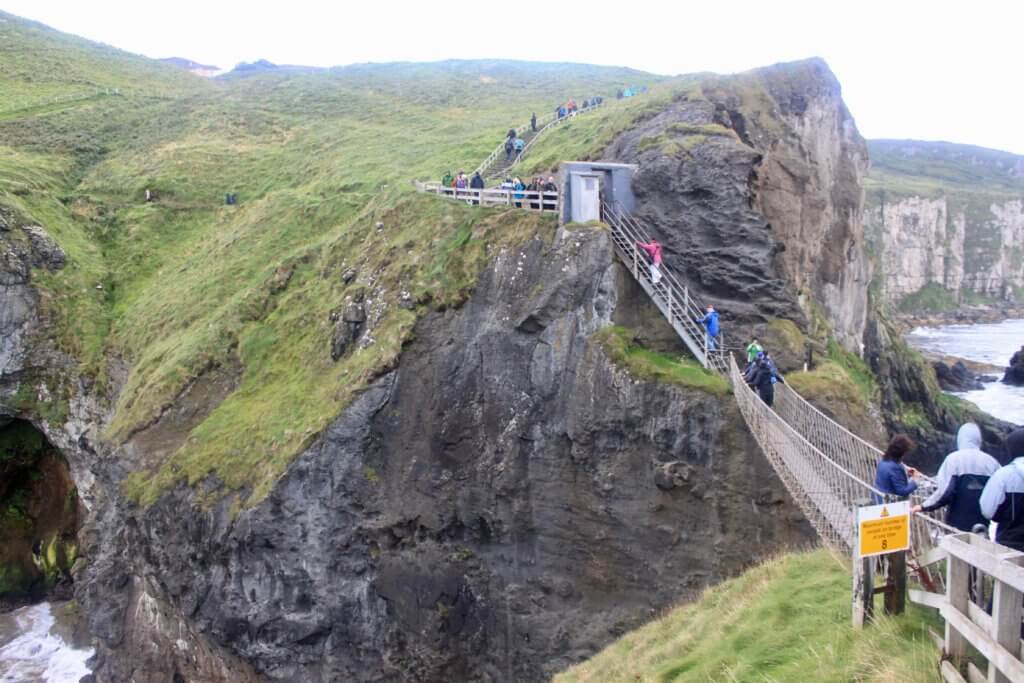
785	620
929	169
174	289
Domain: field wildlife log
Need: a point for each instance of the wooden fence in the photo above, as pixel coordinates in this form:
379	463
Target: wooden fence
522	199
982	608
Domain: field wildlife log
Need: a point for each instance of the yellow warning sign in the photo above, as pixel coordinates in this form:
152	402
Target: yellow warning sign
883	528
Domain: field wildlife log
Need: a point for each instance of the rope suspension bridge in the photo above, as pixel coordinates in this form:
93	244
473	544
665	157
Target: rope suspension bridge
828	471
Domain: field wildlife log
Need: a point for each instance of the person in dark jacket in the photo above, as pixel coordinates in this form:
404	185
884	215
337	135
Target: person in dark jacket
891	475
476	183
533	122
509	147
762	381
1002	499
960	481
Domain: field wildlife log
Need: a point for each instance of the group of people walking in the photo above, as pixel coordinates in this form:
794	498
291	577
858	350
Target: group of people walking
570	108
761	372
970	484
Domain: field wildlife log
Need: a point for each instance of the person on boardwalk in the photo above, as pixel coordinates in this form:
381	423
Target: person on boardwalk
711	327
519	145
519	187
535	186
460	183
533	122
891	477
1003	495
763	381
550	188
448	180
753	348
960	481
476	183
653	250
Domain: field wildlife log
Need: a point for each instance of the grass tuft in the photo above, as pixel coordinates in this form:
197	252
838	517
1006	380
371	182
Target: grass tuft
652	366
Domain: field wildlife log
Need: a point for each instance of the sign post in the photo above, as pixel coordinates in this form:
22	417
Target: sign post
881	530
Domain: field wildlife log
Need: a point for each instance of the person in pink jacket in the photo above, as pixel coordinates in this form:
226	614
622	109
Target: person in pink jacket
654	258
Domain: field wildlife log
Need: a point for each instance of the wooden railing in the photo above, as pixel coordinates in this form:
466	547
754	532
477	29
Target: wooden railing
521	199
544	123
982	608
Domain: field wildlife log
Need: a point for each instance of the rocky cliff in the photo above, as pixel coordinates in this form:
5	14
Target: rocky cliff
946	224
500	505
505	496
753	184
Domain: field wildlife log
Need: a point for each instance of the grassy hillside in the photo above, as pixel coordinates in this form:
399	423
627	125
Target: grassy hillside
184	286
786	620
929	169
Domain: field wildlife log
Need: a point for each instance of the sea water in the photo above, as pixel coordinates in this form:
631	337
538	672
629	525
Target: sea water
992	343
32	649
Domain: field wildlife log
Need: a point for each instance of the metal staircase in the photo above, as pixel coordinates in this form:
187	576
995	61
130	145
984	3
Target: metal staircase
670	295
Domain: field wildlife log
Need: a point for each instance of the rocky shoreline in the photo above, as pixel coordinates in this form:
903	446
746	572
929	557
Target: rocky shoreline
964	315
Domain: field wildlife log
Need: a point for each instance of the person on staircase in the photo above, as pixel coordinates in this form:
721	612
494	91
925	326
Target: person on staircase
519	145
762	381
510	146
653	250
533	122
960	481
891	477
1004	494
711	326
476	183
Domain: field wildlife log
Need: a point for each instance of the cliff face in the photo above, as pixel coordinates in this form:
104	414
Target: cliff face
948	219
499	506
752	183
506	499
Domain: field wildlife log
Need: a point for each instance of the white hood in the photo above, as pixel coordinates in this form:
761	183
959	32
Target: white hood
969	437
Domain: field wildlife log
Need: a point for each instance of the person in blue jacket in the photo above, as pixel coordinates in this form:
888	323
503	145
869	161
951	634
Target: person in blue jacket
891	476
710	323
960	481
1004	494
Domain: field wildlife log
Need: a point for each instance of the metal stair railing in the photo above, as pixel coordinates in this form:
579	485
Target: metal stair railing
670	295
556	121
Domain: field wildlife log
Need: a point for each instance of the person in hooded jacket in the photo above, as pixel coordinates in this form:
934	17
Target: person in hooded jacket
1002	499
762	381
960	481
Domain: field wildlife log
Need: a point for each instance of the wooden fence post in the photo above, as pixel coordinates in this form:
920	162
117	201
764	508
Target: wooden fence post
1006	619
863	590
896	583
957	579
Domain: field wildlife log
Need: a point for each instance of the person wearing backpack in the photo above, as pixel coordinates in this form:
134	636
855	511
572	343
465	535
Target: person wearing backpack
960	481
519	145
653	250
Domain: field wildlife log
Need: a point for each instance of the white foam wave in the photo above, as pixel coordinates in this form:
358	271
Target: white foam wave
37	653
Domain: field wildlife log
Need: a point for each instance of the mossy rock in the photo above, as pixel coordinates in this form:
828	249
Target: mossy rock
786	343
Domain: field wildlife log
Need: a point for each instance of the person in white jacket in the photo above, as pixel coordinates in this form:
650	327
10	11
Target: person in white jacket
961	479
1002	500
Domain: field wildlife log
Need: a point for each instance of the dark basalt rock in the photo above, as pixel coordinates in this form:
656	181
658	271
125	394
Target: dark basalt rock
956	377
1015	371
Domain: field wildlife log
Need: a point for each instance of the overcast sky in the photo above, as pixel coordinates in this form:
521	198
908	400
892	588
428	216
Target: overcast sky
928	70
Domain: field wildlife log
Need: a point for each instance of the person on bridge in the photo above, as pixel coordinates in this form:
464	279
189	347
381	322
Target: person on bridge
960	481
653	250
710	323
1004	494
533	122
891	475
763	380
753	348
